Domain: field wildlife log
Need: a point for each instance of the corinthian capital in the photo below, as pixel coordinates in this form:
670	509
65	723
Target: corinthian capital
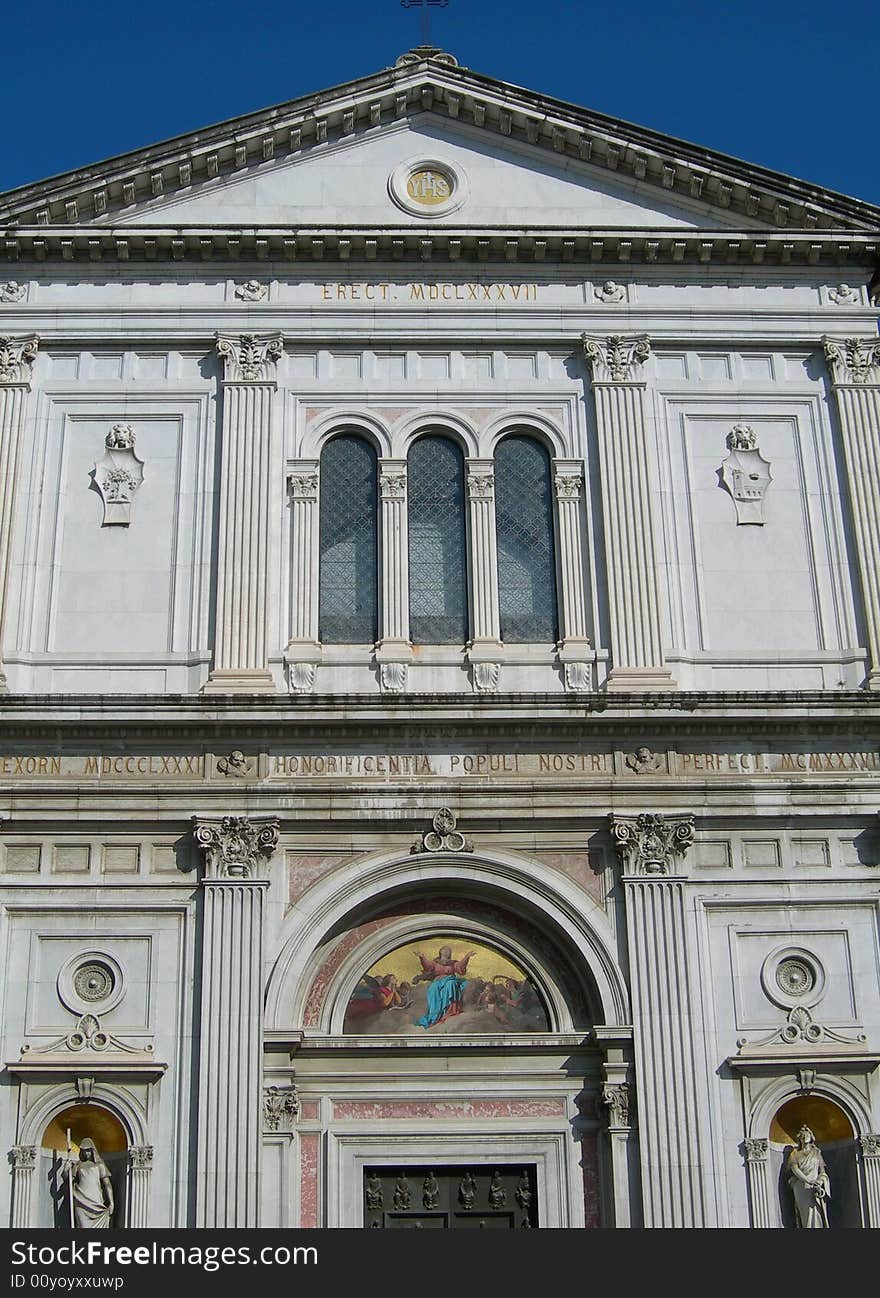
651	844
618	359
17	356
853	360
248	358
235	847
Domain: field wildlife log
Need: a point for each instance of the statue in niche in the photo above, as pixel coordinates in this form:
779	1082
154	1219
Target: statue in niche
91	1190
374	1192
430	1191
402	1197
808	1178
497	1193
467	1191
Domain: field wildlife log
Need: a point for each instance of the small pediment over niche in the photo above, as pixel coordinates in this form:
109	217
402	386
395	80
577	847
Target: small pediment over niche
444	984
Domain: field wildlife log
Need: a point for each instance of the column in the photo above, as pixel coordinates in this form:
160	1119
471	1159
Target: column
241	662
24	1160
617	367
394	651
17	356
304	649
671	1073
869	1149
575	650
485	650
234	885
140	1172
616	1105
756	1151
855	373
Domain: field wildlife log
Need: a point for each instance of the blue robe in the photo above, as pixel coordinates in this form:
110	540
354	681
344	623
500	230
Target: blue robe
442	993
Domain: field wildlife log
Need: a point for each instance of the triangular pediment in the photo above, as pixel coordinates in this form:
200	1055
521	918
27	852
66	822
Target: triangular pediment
524	159
352	182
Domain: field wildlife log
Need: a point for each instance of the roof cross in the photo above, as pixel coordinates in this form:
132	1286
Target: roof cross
426	6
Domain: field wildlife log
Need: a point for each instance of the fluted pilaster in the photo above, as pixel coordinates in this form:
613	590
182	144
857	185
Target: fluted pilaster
481	507
140	1175
302	484
17	356
757	1171
575	650
240	644
394	607
676	1154
854	364
230	1069
24	1161
617	366
869	1151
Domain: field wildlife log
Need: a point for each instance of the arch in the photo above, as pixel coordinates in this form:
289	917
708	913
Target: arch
331	423
53	1101
438	579
442	423
412	928
526	541
838	1090
348	525
566	917
525	423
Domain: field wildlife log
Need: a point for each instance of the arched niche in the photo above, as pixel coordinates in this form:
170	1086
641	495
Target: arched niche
834	1137
357	913
446	982
65	1133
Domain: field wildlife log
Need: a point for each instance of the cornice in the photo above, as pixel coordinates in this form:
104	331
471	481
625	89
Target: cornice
700	177
423	246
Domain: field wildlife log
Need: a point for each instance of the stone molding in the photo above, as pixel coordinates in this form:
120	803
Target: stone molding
618	358
853	360
392	484
481	485
303	486
235	847
617	1105
12	291
17	356
24	1157
249	358
141	1157
281	1108
651	844
443	836
756	1149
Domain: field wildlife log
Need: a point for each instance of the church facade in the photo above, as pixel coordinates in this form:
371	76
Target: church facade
440	775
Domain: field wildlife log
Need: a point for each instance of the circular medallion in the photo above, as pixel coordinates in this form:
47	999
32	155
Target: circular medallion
91	981
795	976
792	976
427	187
94	982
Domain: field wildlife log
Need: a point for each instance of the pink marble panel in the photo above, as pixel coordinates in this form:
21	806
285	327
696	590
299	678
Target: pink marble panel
308	1165
305	868
371	1111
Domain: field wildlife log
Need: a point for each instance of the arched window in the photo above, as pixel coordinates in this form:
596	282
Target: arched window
348	542
437	563
524	526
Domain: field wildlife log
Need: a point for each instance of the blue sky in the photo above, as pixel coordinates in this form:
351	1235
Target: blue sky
792	87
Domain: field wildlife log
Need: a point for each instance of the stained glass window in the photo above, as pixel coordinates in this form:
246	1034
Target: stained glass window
348	542
524	523
437	564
